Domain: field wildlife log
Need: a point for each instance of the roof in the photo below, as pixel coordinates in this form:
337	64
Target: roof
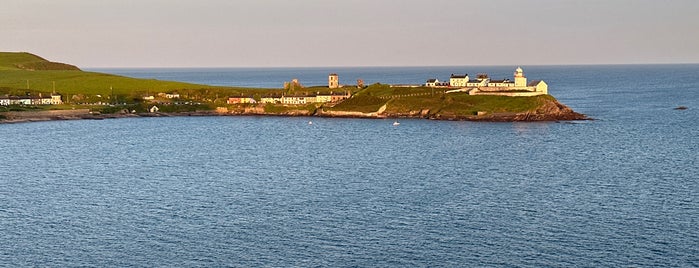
431	80
501	81
474	81
459	76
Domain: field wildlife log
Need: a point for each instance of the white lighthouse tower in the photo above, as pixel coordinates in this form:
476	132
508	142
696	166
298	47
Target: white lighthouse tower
520	80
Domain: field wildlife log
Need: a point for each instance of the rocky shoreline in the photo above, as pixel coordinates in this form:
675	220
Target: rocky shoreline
554	111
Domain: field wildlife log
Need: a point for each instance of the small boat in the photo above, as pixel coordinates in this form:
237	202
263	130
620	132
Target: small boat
310	122
396	123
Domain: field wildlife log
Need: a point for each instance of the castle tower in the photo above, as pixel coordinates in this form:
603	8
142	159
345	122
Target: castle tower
333	81
520	80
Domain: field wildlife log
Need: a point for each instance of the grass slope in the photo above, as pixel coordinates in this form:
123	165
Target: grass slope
31	62
17	79
411	100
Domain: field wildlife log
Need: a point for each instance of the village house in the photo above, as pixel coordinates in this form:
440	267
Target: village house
324	98
435	83
504	83
56	99
45	100
432	82
15	100
271	99
298	99
305	99
457	80
169	95
338	96
539	86
480	81
53	99
240	100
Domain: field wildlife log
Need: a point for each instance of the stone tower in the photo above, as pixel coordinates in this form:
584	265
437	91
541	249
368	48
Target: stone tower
333	81
520	80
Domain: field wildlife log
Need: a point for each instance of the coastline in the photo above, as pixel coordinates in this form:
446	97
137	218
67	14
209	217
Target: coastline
547	113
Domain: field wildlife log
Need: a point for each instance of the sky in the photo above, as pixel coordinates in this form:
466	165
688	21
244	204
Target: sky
308	33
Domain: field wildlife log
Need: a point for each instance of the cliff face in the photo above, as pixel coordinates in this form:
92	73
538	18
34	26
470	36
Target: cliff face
553	110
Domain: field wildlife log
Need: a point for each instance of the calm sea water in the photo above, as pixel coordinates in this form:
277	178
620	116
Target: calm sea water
622	190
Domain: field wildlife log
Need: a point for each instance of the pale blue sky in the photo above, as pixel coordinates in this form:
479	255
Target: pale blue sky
251	33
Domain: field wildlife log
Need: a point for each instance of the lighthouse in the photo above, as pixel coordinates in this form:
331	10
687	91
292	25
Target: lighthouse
520	80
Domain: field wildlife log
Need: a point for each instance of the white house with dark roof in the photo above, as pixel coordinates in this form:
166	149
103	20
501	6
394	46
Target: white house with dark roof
539	86
432	82
458	80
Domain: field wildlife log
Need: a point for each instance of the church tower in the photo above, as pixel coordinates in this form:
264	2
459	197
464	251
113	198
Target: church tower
520	80
333	81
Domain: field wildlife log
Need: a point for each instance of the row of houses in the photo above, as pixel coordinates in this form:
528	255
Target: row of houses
483	85
163	95
292	99
53	99
462	80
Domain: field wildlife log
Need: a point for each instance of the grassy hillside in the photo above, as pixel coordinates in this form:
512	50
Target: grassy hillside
380	90
31	62
24	72
360	103
411	100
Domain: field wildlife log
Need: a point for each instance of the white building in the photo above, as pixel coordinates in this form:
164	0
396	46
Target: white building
432	82
507	87
56	99
457	80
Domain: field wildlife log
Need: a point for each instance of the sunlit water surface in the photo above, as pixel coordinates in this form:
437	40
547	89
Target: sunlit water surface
270	191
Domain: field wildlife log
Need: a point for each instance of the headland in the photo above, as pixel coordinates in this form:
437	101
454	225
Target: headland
35	89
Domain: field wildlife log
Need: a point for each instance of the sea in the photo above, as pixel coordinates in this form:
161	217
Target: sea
621	190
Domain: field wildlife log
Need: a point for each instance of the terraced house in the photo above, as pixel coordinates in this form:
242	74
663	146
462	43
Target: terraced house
53	99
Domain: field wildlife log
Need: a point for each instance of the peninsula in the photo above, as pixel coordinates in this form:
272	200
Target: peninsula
34	89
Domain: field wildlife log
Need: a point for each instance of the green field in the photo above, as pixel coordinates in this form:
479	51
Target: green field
364	103
31	62
407	100
16	78
380	90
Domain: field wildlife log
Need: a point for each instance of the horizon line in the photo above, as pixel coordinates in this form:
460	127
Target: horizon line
382	66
